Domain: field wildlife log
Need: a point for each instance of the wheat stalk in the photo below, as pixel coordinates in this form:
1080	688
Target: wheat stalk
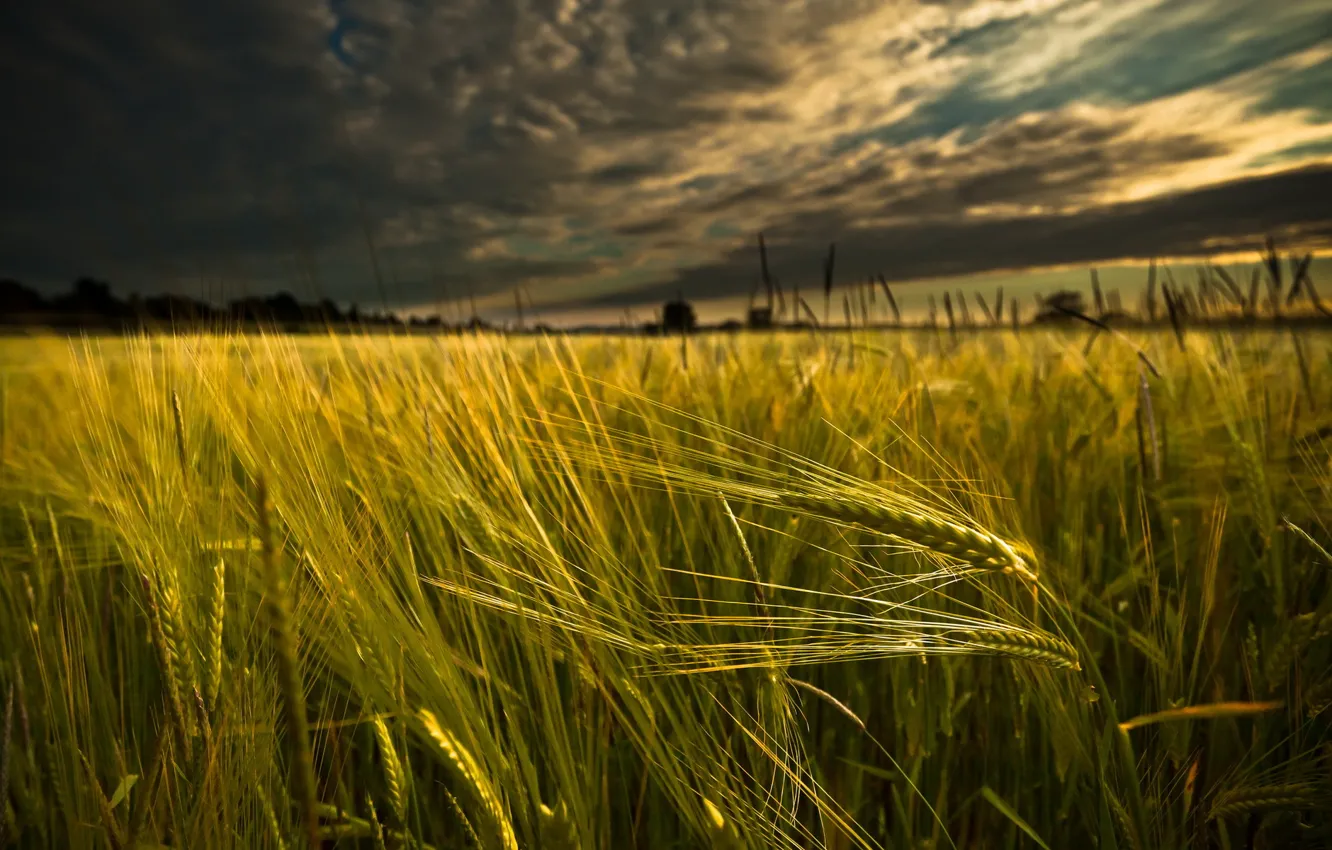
6	740
114	835
271	816
147	796
289	675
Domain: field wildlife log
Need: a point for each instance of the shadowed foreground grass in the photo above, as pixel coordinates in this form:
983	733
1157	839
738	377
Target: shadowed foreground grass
870	590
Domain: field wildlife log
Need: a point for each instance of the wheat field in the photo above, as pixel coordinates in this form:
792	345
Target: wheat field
878	589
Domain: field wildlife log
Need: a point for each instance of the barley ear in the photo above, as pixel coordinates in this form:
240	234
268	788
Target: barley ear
216	618
974	546
1029	645
168	651
173	624
469	771
1126	826
394	775
374	661
377	828
179	421
472	838
1293	796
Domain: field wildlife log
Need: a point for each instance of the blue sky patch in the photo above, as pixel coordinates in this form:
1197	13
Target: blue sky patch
1160	63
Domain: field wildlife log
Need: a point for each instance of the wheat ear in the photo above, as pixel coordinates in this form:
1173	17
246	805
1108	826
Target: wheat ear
972	545
179	422
376	828
168	651
394	775
1028	645
1239	801
469	771
216	618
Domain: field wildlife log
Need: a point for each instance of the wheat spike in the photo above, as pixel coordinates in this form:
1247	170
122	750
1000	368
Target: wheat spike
1121	816
168	651
216	618
1239	801
394	776
973	545
470	771
375	663
179	422
1028	645
377	828
173	628
473	839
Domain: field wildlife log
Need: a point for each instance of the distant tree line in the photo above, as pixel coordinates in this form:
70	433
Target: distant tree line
90	304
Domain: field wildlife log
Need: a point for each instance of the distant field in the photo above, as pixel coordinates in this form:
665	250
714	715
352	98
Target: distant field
866	589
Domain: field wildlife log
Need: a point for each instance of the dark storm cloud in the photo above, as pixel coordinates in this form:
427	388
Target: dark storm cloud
562	144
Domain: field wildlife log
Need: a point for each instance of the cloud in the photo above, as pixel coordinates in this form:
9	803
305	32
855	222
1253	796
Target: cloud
1207	222
594	150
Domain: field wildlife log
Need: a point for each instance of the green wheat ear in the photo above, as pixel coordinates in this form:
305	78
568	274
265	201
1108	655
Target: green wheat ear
394	774
216	617
469	771
972	545
1294	796
1028	645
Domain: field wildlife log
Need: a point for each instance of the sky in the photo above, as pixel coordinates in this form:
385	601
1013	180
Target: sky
596	157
